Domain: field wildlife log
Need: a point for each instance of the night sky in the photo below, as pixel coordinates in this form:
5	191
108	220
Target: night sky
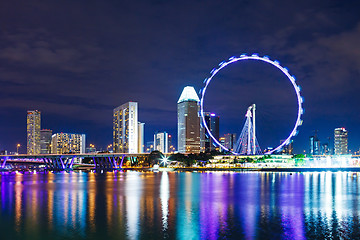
77	60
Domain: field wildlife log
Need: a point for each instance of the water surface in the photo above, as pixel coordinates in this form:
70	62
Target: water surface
174	205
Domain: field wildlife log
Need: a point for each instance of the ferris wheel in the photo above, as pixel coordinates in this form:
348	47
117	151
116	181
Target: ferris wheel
276	64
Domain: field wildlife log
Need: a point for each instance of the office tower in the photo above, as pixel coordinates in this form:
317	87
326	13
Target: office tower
33	132
149	146
315	148
170	144
340	141
161	142
62	143
45	141
230	141
212	122
125	128
188	121
287	149
141	137
325	150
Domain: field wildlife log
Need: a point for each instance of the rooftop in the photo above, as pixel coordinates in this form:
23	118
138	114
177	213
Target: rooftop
188	94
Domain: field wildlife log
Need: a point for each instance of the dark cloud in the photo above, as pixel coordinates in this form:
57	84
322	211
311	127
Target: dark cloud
77	60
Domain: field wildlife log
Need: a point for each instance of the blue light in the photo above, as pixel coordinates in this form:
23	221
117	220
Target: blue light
275	63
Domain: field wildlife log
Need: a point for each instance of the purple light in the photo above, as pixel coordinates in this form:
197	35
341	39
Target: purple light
275	64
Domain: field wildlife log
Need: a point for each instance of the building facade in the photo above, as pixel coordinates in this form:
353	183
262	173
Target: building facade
230	141
63	143
287	149
212	122
33	132
314	145
149	146
141	144
340	141
170	144
125	128
161	142
188	121
45	141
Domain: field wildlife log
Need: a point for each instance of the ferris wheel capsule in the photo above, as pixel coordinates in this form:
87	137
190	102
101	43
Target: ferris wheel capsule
274	63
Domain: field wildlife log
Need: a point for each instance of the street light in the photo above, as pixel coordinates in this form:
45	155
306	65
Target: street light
165	160
17	148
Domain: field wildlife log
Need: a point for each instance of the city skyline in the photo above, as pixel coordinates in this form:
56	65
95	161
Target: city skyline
76	81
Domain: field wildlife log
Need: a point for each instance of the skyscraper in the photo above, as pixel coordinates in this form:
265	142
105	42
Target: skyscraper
188	121
287	149
62	143
340	141
314	142
141	137
230	141
45	141
33	132
161	142
171	147
125	128
212	122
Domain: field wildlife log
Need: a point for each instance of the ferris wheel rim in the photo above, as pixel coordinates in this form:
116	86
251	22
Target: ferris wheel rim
275	63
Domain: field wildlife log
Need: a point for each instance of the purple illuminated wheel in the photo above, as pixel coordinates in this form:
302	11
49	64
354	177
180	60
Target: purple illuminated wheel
276	64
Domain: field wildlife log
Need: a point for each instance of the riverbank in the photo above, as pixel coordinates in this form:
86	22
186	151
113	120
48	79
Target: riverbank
282	169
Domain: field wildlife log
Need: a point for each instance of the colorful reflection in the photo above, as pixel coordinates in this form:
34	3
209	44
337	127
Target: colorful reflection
167	205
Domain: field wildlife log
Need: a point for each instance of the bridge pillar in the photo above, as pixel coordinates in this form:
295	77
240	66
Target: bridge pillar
105	163
58	163
2	165
122	160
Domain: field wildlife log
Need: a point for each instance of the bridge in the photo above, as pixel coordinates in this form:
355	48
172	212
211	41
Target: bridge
60	162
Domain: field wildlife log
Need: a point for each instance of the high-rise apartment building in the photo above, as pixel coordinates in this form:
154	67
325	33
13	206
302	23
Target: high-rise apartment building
33	132
45	141
125	128
188	121
141	137
62	143
161	142
340	141
212	122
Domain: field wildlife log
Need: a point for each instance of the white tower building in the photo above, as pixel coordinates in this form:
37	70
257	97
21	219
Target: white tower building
125	128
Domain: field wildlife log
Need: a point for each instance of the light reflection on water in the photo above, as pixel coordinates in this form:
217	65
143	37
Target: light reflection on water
211	205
